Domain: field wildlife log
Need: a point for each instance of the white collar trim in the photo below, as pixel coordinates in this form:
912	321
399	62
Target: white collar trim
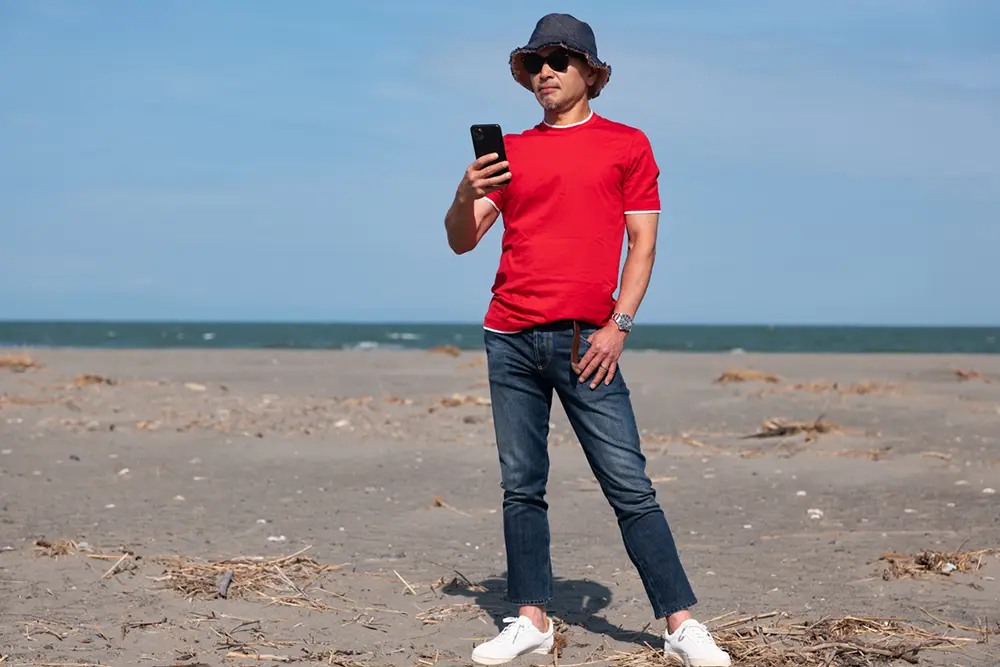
563	127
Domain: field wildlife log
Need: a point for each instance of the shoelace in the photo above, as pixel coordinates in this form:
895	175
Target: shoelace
512	630
698	633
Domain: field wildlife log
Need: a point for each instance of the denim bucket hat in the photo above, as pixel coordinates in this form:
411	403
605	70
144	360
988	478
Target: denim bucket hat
572	34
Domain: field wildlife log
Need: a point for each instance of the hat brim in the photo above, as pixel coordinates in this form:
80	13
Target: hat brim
521	75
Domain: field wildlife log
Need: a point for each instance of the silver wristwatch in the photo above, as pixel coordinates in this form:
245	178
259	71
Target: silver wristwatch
623	321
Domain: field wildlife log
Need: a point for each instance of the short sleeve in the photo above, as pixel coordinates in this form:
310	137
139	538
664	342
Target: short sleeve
496	198
641	187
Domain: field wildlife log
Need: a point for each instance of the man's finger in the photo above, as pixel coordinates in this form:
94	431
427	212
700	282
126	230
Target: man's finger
492	184
612	367
494	168
502	178
484	160
584	360
492	188
599	375
592	364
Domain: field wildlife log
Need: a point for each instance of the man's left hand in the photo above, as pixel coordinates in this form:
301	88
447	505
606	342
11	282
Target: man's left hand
601	359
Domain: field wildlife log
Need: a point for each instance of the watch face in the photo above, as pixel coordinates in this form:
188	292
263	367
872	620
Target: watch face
623	321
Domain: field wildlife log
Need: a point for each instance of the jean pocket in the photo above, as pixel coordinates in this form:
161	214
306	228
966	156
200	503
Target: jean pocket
586	331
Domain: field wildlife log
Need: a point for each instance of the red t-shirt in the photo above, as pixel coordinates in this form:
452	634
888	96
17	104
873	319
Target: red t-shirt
564	220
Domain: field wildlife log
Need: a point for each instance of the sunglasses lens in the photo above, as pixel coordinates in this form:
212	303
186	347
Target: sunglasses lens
559	61
532	63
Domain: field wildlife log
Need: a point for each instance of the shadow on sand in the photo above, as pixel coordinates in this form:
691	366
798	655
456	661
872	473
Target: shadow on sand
575	601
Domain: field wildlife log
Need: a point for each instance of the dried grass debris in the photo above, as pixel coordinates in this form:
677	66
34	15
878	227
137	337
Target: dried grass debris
869	387
263	657
877	454
439	502
356	401
128	562
89	380
780	428
282	580
15	400
746	375
652	437
828	642
129	626
18	363
55	548
456	400
972	374
450	350
863	388
436	615
330	656
457	585
927	562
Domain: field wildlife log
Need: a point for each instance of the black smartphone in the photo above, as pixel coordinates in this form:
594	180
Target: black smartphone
488	139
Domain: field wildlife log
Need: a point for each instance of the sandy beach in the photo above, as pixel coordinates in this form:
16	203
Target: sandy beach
355	496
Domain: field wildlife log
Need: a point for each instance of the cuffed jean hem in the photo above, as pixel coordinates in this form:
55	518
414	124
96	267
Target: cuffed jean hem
663	613
528	603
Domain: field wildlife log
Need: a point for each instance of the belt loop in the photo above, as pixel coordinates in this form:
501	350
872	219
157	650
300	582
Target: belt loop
575	355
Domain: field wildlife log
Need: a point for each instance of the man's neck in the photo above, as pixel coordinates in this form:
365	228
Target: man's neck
577	114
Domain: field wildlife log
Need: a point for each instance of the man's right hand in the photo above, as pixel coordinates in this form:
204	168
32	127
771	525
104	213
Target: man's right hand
479	179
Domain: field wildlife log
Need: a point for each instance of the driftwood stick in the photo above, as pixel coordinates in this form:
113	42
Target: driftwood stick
405	582
225	582
907	653
741	621
114	568
267	657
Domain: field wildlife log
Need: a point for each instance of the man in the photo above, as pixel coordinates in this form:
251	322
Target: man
576	182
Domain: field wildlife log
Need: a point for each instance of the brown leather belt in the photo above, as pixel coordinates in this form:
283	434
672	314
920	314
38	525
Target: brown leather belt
562	325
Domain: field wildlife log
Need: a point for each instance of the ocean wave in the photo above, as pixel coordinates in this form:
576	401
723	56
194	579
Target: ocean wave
402	335
372	345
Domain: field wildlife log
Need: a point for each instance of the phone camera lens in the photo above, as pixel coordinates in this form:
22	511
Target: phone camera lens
478	133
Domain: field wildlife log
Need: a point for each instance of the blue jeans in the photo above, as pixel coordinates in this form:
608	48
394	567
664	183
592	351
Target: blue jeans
524	369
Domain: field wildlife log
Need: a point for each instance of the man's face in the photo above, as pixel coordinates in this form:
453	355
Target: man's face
560	78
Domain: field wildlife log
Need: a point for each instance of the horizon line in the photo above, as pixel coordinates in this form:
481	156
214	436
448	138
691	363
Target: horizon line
404	323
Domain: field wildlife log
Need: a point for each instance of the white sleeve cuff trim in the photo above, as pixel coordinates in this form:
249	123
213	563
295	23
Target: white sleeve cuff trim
492	203
637	212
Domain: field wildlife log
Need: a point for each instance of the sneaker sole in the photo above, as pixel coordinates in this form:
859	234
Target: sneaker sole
504	661
695	662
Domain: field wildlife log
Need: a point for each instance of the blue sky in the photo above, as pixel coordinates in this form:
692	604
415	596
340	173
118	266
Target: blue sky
822	162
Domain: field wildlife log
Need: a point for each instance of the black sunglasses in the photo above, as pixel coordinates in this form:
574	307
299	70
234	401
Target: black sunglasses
558	60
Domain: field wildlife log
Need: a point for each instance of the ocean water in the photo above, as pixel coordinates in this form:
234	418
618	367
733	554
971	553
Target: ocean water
685	338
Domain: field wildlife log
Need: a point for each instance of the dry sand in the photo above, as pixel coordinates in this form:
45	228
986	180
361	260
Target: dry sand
383	465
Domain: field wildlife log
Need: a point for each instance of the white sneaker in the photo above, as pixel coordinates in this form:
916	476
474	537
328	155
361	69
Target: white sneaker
518	638
693	645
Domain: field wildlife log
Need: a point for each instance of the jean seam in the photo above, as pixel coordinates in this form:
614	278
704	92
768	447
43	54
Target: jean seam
673	610
651	591
527	602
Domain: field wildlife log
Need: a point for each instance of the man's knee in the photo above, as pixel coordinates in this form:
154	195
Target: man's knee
632	495
524	484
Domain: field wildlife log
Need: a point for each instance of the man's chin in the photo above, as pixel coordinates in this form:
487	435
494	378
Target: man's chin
549	101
